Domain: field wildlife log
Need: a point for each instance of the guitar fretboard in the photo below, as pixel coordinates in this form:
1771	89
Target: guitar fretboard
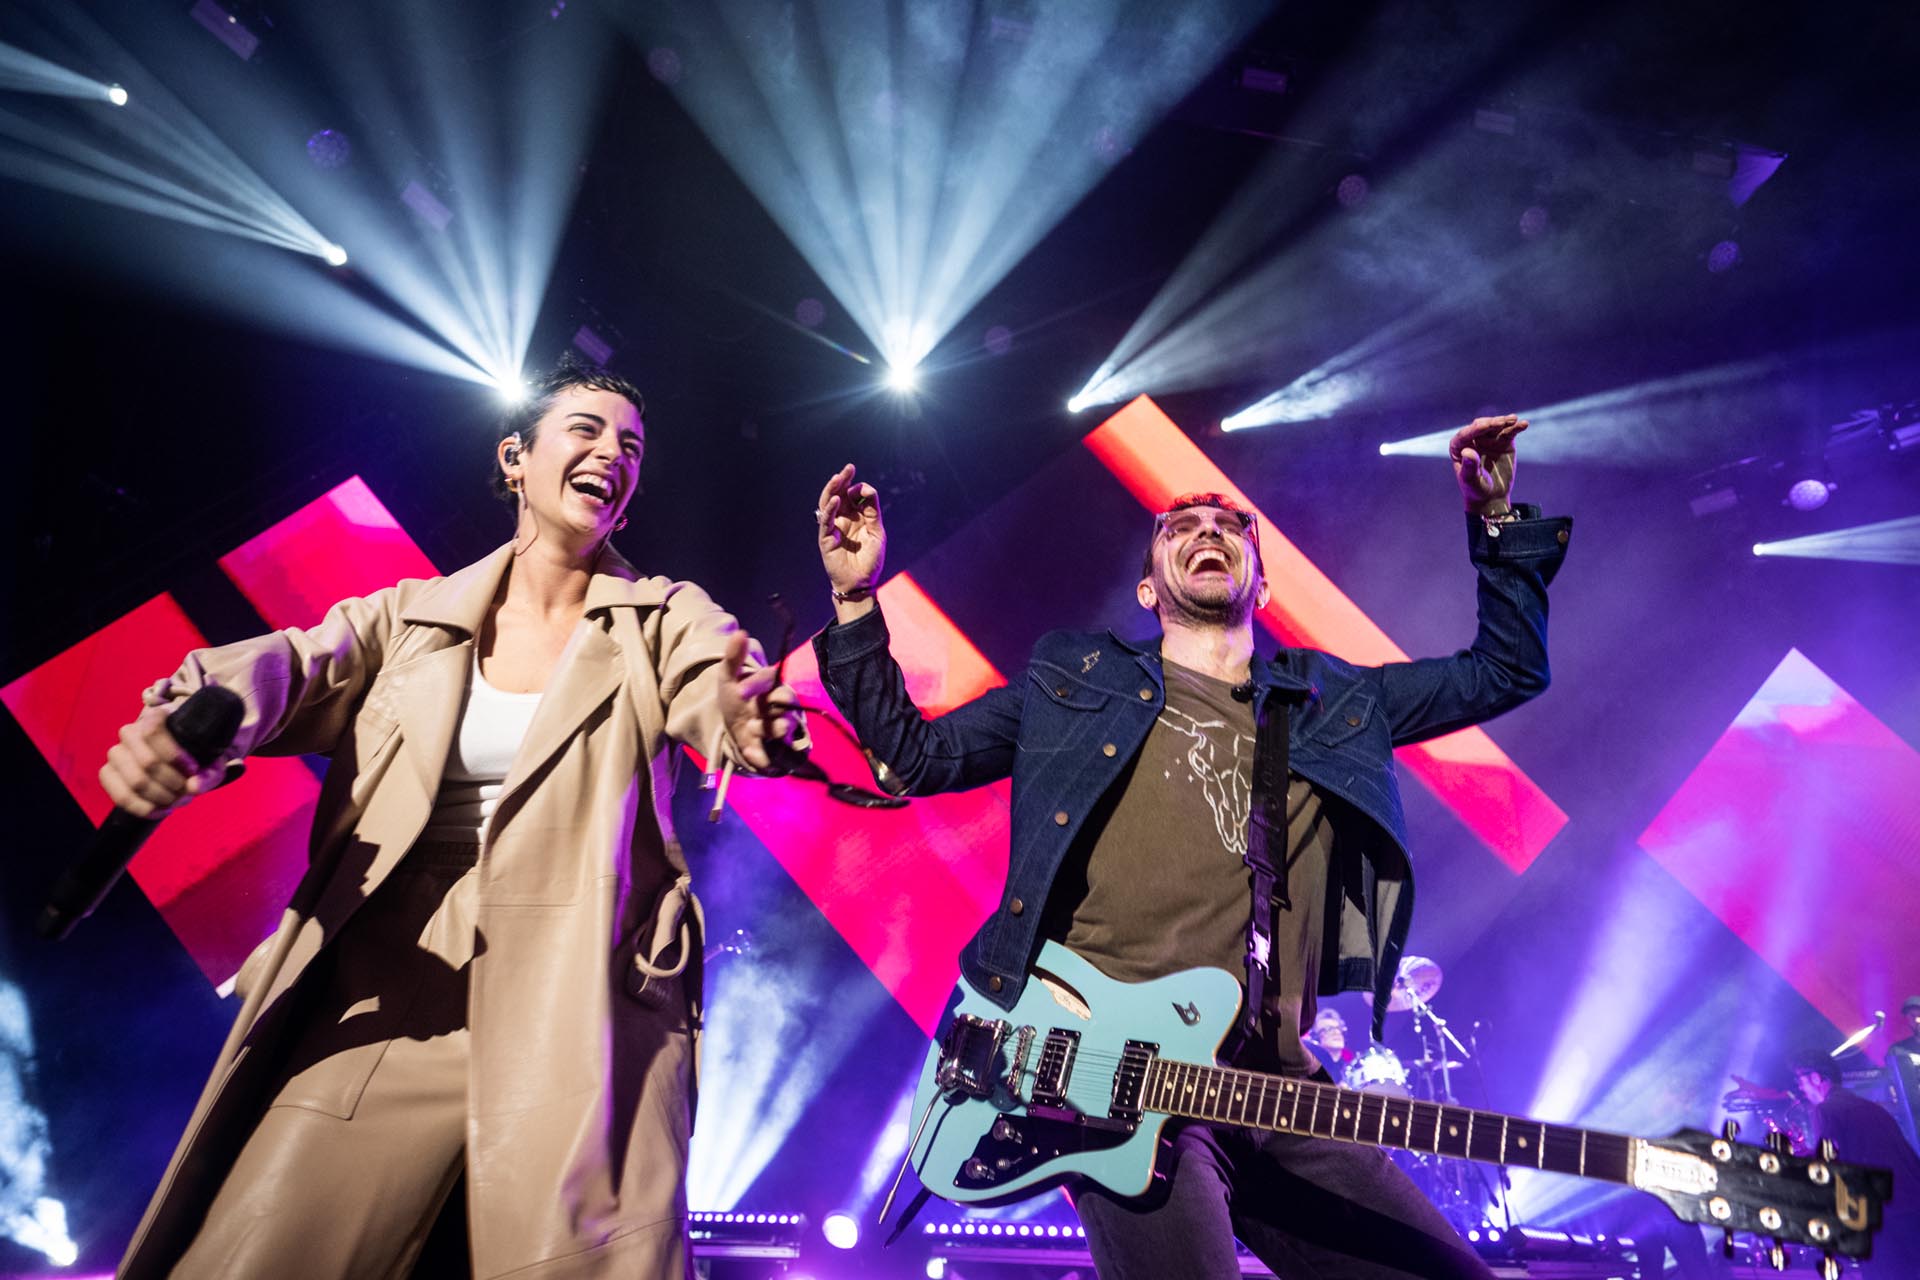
1286	1104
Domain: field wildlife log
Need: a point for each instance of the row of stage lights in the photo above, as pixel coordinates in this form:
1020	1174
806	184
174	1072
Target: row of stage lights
1017	1230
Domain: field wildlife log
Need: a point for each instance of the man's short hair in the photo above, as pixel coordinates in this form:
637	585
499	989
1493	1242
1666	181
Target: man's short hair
1910	1004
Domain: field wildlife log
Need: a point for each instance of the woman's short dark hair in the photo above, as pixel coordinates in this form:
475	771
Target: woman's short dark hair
523	418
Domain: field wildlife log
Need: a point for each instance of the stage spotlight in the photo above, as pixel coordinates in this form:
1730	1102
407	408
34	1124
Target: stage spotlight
116	95
936	1269
510	388
1886	542
1809	494
901	378
1352	191
841	1231
913	174
1723	257
1078	404
335	255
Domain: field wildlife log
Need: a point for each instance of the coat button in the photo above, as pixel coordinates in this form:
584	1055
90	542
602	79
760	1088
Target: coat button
1016	907
1354	721
1562	536
1060	691
1146	695
1109	750
1060	818
994	983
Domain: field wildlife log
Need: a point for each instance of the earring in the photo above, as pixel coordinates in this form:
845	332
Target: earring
513	484
623	524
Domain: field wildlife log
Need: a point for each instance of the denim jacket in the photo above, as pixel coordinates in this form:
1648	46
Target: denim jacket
1069	727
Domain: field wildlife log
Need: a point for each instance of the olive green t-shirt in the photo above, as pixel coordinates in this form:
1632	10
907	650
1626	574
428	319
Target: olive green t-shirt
1158	882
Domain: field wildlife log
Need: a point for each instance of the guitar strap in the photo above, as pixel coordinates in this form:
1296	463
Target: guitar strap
1266	851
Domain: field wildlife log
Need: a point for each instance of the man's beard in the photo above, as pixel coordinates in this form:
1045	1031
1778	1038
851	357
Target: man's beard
1235	609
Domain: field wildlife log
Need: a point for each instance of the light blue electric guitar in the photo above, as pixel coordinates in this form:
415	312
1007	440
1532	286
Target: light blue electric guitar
1080	1077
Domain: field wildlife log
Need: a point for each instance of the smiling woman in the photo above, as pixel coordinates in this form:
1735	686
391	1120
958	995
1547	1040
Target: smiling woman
520	425
501	743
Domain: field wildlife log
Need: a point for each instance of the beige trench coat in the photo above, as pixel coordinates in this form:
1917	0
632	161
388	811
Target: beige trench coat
581	1078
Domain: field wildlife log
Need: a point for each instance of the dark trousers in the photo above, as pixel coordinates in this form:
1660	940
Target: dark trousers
1308	1208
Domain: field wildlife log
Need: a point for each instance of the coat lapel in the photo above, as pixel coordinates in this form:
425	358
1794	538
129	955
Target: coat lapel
589	673
427	690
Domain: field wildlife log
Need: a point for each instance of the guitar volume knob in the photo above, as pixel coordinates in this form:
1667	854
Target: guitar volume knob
1003	1131
979	1170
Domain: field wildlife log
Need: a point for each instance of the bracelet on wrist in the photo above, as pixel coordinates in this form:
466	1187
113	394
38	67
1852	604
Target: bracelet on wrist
852	595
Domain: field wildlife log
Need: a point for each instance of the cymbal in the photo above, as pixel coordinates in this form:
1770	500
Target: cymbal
1418	980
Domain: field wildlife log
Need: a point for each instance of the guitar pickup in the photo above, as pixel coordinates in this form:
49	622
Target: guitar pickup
970	1056
1129	1082
1050	1079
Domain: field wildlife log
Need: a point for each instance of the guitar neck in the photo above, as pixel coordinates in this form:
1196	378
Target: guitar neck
1288	1104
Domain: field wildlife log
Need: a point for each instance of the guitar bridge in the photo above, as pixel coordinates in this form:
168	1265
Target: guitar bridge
970	1056
1017	1070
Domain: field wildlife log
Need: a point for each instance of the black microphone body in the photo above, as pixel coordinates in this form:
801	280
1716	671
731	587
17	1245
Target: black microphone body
204	726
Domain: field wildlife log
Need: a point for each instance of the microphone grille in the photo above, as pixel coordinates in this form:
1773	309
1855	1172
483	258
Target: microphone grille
205	723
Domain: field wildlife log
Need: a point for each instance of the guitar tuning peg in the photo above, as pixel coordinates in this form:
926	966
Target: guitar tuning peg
1730	1130
1777	1256
1726	1244
1779	1143
1828	1151
1829	1267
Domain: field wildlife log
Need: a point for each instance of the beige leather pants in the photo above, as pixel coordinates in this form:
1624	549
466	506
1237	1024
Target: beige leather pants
365	1133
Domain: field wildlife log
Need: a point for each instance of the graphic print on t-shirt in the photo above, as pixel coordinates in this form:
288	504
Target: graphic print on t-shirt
1221	761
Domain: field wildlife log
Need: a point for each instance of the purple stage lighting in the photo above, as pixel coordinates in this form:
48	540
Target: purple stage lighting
1808	495
810	312
592	345
1110	145
423	202
226	28
1534	222
1352	191
1723	257
329	149
998	340
663	63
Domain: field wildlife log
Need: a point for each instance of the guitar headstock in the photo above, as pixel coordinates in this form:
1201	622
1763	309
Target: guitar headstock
1768	1191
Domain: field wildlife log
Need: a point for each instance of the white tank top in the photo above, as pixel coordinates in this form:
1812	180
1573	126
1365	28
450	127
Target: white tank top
492	725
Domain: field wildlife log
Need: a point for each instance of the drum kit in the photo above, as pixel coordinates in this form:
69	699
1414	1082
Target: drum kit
1465	1192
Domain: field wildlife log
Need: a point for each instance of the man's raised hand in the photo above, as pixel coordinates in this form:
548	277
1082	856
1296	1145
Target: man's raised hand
1482	453
853	540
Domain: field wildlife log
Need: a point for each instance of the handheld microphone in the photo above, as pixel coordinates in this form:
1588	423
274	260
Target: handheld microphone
204	726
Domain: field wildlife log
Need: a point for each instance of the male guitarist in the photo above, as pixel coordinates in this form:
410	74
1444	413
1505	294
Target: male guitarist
1187	803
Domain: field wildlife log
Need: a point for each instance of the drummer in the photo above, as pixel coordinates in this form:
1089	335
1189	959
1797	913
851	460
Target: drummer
1326	1039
